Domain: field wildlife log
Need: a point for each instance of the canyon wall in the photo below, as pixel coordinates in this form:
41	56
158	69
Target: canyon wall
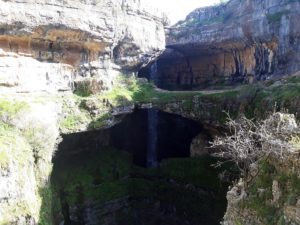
47	50
235	42
50	45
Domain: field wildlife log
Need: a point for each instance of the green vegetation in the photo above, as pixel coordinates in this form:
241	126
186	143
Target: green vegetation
130	90
101	121
283	96
4	159
276	17
255	101
15	148
192	170
94	172
260	203
108	174
25	147
72	122
45	217
10	109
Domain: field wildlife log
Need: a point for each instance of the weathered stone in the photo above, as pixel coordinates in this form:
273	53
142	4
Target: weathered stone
199	146
292	214
46	46
239	41
276	192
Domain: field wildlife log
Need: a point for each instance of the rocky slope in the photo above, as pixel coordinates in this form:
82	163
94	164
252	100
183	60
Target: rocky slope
238	41
47	50
49	45
273	196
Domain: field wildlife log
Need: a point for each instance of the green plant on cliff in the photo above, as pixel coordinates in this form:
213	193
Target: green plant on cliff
276	17
261	203
250	142
26	147
258	149
16	157
10	108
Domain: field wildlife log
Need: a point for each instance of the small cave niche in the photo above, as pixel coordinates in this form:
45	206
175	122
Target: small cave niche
116	177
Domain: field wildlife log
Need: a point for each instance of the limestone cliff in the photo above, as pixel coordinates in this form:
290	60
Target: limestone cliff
238	41
49	45
48	49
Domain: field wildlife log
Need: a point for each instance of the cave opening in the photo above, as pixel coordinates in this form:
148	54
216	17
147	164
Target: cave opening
104	177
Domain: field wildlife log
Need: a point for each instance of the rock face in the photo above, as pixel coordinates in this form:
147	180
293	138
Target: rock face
240	41
46	46
272	196
28	141
53	46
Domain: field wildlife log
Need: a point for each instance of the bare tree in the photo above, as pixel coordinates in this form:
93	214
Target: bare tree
249	142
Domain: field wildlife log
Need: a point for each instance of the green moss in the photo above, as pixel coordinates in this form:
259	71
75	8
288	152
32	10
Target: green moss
191	170
45	215
72	122
94	174
292	199
101	122
10	109
4	159
14	145
238	222
290	188
276	17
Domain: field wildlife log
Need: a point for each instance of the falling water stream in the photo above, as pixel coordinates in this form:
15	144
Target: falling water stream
152	126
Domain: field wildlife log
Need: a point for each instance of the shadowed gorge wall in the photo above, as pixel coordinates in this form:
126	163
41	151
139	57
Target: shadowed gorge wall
174	136
185	70
96	182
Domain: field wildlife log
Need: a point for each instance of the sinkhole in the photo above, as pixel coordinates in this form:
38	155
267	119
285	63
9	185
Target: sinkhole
137	172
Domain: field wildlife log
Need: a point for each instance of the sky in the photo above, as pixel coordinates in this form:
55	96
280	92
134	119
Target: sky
179	9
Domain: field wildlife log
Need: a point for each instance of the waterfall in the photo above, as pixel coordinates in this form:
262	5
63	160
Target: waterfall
153	72
152	125
152	138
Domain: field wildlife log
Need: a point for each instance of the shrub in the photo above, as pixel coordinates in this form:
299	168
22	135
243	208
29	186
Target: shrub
251	142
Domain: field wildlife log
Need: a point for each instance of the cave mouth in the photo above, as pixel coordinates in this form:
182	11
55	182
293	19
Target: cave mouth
104	177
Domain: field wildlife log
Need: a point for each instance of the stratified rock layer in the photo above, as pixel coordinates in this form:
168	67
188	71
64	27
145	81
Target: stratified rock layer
240	41
52	46
47	45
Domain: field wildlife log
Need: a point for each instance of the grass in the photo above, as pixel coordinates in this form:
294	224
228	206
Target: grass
45	214
18	146
4	159
15	148
101	121
10	109
13	145
255	100
192	170
290	188
72	122
90	176
94	174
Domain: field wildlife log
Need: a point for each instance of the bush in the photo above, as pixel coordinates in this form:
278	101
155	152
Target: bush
250	142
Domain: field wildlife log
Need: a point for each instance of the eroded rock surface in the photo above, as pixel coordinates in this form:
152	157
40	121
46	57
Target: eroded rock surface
236	42
48	45
54	46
